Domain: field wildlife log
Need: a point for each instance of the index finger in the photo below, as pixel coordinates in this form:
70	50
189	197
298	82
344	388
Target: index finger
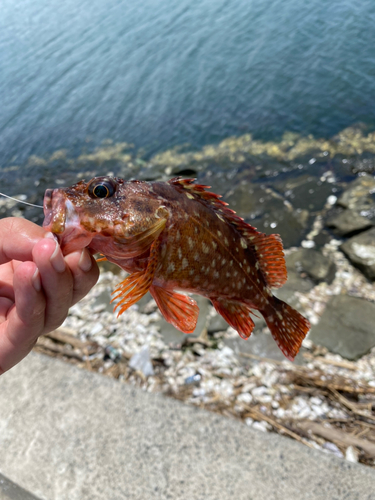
17	239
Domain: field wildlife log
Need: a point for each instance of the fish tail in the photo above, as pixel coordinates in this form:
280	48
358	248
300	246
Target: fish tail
288	327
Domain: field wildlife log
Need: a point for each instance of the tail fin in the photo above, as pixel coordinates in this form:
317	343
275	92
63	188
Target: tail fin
288	327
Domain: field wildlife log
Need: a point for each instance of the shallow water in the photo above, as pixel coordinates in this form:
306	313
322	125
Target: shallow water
157	73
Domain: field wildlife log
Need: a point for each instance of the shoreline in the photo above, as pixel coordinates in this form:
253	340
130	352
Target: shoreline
323	399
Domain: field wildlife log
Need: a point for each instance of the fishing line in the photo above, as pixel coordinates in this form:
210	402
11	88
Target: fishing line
20	201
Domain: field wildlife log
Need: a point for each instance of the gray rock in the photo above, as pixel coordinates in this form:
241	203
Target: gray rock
259	344
290	224
267	210
305	191
360	250
306	261
297	281
217	324
359	195
103	301
348	221
146	304
346	327
105	266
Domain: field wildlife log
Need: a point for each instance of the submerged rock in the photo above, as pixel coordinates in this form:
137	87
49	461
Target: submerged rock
269	212
346	327
360	250
360	196
315	265
347	222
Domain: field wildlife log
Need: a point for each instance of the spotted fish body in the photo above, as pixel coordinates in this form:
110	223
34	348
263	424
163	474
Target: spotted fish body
177	236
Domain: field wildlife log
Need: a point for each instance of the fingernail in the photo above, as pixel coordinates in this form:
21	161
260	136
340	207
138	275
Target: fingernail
57	260
35	280
85	261
51	236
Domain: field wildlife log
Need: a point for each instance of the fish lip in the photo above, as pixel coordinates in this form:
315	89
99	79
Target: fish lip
47	207
54	206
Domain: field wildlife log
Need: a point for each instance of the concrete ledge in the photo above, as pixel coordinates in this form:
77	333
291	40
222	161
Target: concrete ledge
69	434
11	491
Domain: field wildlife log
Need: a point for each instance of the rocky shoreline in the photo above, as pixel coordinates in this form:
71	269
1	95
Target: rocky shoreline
320	196
326	399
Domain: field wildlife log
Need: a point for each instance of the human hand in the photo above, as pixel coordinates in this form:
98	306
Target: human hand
37	286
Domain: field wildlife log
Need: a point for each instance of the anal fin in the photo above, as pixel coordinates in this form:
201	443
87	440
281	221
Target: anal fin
237	315
179	310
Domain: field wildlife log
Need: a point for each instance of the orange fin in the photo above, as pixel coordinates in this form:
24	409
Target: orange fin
237	315
179	310
102	258
268	249
288	327
135	286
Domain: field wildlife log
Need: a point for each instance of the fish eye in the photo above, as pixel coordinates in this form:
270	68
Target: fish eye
103	187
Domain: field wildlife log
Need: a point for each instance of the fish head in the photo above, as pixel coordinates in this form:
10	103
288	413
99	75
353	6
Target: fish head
105	214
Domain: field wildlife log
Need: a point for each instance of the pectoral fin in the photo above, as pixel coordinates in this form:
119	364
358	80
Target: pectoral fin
135	286
179	310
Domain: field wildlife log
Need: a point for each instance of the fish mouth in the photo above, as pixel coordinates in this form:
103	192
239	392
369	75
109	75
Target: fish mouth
63	220
54	206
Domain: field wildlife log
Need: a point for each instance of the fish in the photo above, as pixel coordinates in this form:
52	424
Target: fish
174	238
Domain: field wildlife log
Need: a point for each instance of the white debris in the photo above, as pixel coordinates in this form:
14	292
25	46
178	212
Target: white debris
351	454
141	361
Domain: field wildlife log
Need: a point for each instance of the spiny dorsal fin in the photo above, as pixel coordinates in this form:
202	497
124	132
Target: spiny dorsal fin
268	248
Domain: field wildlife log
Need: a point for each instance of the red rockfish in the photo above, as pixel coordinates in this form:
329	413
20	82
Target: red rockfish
173	236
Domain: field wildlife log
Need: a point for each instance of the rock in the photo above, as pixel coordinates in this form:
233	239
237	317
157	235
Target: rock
146	304
346	327
305	191
312	263
290	224
360	196
106	266
267	210
360	250
347	222
322	238
103	302
259	344
217	324
297	282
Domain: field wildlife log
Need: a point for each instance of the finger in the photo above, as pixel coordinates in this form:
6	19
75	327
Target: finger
57	281
85	273
6	279
17	239
25	320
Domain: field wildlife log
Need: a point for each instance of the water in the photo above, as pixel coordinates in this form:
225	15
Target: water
161	73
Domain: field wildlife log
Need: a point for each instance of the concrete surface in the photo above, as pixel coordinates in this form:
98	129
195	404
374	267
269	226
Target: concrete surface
11	491
69	434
